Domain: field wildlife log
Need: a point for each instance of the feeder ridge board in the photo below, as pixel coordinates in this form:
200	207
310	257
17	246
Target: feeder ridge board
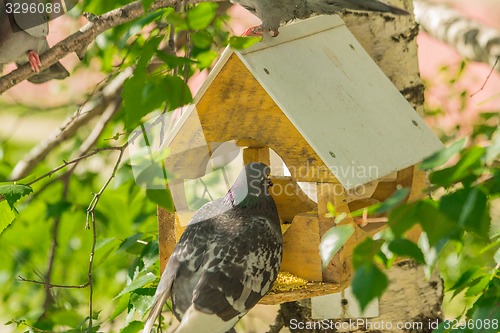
317	99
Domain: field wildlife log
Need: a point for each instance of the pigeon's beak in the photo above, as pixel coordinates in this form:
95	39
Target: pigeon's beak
269	181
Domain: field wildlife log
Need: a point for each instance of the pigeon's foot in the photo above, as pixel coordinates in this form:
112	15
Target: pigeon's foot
34	60
258	31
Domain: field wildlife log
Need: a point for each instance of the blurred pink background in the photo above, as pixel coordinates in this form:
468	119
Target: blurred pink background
433	55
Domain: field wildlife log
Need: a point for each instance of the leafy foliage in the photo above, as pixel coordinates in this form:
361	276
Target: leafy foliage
457	232
47	240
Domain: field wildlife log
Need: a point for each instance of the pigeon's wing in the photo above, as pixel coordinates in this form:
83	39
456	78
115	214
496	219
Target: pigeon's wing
333	6
183	267
237	270
33	22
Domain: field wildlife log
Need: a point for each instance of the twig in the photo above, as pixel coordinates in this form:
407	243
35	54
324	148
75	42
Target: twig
49	299
91	217
65	164
96	106
53	285
487	78
79	41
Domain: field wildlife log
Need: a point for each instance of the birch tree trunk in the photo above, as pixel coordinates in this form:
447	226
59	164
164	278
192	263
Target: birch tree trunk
470	38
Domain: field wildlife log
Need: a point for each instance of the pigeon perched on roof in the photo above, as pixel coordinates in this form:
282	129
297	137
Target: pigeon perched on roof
23	38
226	260
274	12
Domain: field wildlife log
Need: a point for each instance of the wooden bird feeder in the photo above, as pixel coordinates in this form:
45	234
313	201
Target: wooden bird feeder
317	99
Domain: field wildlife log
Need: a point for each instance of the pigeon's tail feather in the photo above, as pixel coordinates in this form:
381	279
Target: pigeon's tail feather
161	295
333	6
155	311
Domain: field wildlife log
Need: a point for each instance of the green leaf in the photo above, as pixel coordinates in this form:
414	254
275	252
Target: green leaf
464	280
12	193
131	243
470	160
174	61
406	248
7	215
144	93
240	43
477	286
142	299
138	283
339	218
333	240
497	256
441	157
205	59
437	226
56	210
177	92
202	39
201	15
389	204
469	207
402	218
133	327
148	50
486	309
368	283
120	307
393	201
161	197
493	151
365	252
146	4
177	20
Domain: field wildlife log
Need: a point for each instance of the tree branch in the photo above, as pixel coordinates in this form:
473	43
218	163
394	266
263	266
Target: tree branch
96	106
469	37
79	41
52	285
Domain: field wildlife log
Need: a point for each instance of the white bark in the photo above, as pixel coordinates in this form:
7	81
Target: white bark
470	38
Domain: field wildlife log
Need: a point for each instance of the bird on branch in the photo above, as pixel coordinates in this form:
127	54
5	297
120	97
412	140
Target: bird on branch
23	37
274	12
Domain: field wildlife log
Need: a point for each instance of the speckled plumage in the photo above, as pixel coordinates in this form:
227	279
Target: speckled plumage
274	12
226	260
19	34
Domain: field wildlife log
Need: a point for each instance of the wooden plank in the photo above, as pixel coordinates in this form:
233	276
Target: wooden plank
311	290
301	244
166	235
290	199
252	154
246	113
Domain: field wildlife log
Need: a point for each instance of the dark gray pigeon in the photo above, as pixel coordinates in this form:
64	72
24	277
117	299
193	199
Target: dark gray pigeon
226	260
274	12
23	38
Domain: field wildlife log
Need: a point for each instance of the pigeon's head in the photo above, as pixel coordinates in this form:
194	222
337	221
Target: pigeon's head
252	183
258	180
